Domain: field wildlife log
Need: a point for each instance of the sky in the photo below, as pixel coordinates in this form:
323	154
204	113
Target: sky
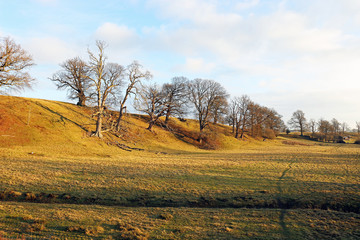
284	54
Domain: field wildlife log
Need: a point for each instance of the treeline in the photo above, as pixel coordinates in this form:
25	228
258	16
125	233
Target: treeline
103	85
106	84
321	130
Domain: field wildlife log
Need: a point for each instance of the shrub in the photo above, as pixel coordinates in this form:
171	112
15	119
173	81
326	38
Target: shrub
269	134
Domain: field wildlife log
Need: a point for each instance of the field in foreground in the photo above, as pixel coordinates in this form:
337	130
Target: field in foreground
104	222
272	191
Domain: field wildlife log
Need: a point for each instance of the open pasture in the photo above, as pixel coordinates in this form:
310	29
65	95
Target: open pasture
285	184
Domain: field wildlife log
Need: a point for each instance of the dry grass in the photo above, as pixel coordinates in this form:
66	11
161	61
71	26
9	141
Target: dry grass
194	223
52	160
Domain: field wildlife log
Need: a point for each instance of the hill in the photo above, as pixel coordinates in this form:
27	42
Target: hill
47	127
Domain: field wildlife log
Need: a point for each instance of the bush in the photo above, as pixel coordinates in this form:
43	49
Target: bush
269	134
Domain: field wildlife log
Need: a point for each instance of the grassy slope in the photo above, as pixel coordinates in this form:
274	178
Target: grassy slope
57	128
50	153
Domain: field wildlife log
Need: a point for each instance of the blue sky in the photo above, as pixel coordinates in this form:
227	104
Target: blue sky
284	54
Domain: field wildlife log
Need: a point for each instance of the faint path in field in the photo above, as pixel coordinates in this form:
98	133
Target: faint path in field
285	230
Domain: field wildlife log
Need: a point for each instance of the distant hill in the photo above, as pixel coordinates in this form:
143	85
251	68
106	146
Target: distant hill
50	127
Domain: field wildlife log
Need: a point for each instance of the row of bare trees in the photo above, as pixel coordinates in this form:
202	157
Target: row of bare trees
246	116
103	84
322	129
208	100
100	82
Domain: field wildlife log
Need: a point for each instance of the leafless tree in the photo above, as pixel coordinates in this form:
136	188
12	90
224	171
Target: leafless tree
312	126
203	94
219	110
358	127
263	118
298	121
134	74
152	101
273	121
105	78
74	76
176	94
336	126
243	111
232	114
13	62
325	128
344	127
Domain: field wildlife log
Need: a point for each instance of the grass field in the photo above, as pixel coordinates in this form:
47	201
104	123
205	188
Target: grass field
58	183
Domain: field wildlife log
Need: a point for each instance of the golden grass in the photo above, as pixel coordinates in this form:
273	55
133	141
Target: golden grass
103	222
48	157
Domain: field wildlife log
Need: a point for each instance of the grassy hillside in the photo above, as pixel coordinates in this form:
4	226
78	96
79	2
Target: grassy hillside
57	181
52	128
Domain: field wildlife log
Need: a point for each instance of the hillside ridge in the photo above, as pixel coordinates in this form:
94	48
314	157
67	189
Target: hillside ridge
53	125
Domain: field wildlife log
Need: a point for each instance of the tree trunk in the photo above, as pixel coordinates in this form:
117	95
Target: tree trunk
167	117
215	118
98	126
237	131
121	114
82	100
151	124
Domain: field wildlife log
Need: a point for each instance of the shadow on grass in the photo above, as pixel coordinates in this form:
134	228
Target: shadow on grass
285	230
62	118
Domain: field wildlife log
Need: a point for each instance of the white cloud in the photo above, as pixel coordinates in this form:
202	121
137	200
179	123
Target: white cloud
124	43
246	4
49	50
117	34
197	66
287	50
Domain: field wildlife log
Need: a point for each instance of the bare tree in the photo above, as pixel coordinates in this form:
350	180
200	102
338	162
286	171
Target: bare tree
135	74
74	76
273	121
336	125
243	104
344	127
259	115
106	78
312	126
358	127
325	128
176	94
220	109
298	121
152	101
13	62
232	114
203	94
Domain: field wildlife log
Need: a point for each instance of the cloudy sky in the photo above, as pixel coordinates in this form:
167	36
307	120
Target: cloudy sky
284	54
